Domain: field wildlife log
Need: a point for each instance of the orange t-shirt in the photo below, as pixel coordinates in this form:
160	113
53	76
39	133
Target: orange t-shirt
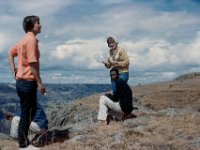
27	51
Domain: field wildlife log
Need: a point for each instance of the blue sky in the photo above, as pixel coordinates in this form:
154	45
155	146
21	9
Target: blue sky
162	37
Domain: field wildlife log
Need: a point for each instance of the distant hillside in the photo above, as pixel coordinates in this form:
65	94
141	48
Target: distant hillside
56	94
188	76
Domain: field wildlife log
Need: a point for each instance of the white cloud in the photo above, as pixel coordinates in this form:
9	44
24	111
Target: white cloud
168	75
155	38
145	54
5	38
131	21
195	47
149	54
81	53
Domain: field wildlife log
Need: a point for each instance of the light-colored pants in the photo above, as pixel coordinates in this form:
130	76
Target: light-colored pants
104	103
14	127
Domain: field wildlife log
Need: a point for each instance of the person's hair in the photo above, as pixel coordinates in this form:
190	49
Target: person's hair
28	22
115	70
111	39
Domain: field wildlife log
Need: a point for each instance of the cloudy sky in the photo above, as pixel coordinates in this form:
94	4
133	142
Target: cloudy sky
161	37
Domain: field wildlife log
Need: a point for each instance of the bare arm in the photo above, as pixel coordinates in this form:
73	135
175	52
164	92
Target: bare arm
12	64
35	70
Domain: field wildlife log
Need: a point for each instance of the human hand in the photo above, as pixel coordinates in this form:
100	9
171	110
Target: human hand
42	89
14	72
108	92
8	115
104	62
114	63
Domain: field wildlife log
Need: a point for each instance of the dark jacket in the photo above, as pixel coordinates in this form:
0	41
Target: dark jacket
123	95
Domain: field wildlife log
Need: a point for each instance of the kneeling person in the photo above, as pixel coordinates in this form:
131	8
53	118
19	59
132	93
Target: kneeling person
120	101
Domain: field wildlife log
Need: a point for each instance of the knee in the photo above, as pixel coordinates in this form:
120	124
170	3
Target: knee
15	120
102	100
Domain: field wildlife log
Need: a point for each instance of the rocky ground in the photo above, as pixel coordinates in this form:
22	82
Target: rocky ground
167	119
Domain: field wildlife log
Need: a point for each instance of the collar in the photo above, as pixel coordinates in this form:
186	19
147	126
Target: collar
32	34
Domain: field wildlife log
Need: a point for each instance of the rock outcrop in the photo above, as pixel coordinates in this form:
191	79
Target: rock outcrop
167	118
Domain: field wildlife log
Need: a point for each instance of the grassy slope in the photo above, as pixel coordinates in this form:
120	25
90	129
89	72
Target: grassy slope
169	130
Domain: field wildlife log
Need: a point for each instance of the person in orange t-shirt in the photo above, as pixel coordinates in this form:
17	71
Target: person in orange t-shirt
27	75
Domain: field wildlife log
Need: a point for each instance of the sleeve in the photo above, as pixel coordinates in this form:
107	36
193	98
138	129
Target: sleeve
32	50
125	59
119	91
108	64
13	51
110	96
126	99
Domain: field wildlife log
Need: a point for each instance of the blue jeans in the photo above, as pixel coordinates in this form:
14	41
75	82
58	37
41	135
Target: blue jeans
124	76
27	92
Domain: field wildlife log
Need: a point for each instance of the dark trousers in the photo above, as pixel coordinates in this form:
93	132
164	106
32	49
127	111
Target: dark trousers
27	92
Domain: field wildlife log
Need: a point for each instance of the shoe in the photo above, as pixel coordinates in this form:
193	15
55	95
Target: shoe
30	147
108	119
128	116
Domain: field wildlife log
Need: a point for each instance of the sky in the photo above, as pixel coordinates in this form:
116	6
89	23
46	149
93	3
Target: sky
161	37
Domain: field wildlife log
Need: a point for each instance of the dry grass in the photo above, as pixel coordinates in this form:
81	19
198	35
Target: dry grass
163	132
91	101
